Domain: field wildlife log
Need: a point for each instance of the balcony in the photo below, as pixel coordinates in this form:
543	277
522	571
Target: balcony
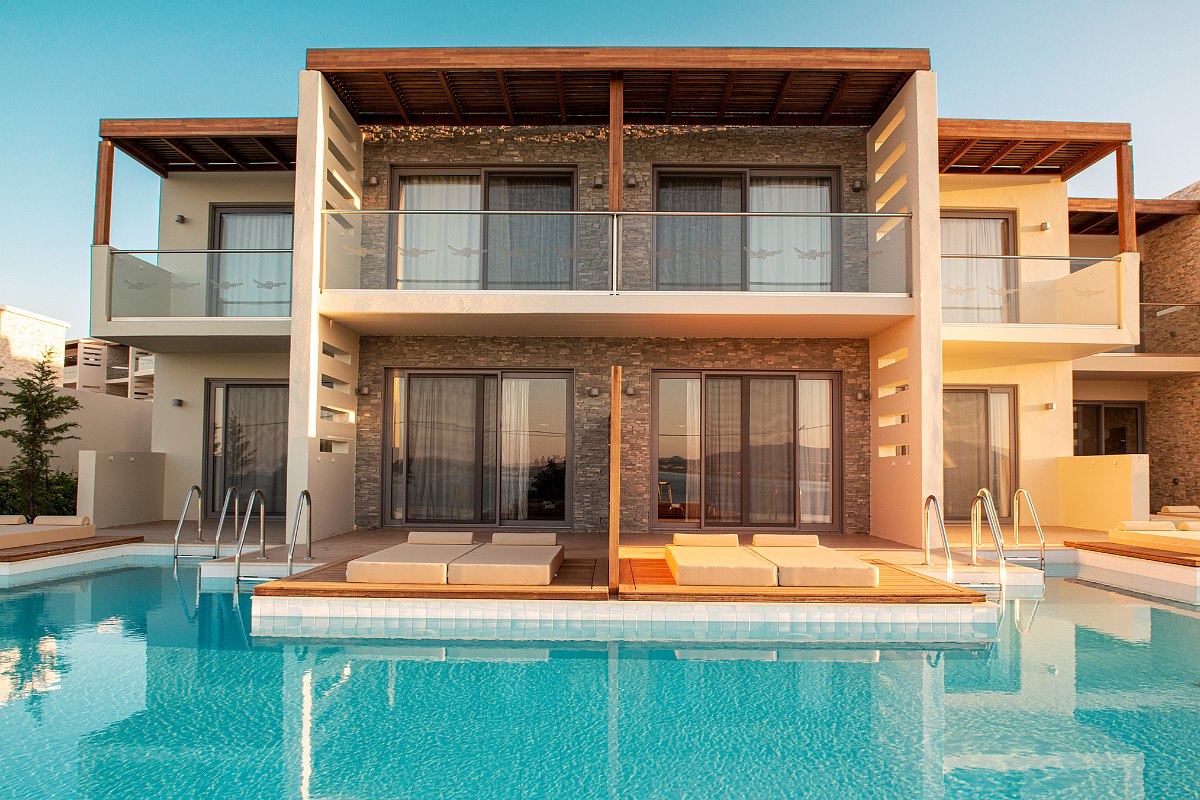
1038	307
627	274
1170	346
162	300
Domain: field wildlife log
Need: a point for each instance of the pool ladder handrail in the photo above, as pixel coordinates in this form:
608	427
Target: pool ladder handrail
305	499
982	505
195	491
1037	525
231	491
257	494
932	500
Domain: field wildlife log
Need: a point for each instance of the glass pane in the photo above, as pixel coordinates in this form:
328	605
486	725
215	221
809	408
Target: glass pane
397	454
442	437
487	492
699	253
216	442
1000	432
529	251
1121	430
679	449
815	468
965	457
438	251
251	284
789	254
1087	430
977	290
771	459
533	437
254	443
723	450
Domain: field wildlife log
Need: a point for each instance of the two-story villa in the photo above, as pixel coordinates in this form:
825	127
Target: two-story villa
825	302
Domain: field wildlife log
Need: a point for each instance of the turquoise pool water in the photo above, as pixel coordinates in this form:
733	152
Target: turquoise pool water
119	684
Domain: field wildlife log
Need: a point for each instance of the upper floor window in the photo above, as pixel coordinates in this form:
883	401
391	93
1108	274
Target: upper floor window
246	281
733	252
460	250
979	289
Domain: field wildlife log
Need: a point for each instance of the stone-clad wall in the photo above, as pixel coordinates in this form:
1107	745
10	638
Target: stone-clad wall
1171	435
585	149
25	338
591	360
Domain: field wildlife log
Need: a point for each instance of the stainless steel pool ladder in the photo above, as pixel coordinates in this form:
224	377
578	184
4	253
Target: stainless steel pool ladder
304	500
193	491
932	502
1037	525
982	506
230	493
258	495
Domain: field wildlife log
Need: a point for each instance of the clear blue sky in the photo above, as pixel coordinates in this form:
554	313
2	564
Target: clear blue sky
67	64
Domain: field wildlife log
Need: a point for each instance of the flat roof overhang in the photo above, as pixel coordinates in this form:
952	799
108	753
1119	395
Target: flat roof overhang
261	144
1025	147
662	85
1097	216
1134	366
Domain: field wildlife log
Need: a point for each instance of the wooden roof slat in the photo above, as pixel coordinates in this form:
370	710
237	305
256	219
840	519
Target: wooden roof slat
833	98
779	97
730	79
562	98
1041	156
1088	158
397	98
270	150
958	153
139	155
228	153
450	95
188	153
671	89
508	108
999	156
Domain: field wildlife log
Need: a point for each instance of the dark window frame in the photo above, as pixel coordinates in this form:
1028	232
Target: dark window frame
387	444
1014	433
216	212
213	499
398	172
1137	405
837	449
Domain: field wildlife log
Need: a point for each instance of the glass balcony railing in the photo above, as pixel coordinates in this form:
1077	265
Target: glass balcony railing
504	251
1170	329
200	283
1030	290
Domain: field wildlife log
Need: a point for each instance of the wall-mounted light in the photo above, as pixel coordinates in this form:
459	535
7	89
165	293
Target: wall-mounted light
177	402
630	391
857	185
1045	226
373	180
631	182
593	392
861	396
364	390
180	219
1051	406
598	182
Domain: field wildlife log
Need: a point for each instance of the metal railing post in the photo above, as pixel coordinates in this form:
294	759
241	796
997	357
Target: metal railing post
932	500
257	494
230	492
1037	524
187	503
304	500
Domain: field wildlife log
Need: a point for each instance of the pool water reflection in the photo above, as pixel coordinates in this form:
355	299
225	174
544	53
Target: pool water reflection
124	683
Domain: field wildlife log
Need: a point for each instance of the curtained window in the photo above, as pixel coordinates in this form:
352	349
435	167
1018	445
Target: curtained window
439	251
978	289
789	254
529	251
251	284
247	443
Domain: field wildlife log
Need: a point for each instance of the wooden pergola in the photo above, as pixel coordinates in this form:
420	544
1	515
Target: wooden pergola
166	146
1097	216
1025	147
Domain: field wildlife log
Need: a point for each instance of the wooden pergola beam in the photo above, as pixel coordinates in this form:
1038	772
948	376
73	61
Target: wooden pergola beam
102	224
562	96
270	150
1126	215
616	142
1042	155
441	73
827	112
1101	219
188	153
1108	205
779	97
508	109
396	96
957	155
142	157
196	127
998	156
225	151
1034	130
727	95
1087	159
671	89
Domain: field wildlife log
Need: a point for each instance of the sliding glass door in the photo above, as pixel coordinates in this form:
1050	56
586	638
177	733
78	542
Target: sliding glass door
246	442
979	442
744	450
982	289
479	448
249	284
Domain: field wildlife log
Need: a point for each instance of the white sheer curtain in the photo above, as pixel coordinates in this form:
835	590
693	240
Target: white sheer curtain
691	500
772	455
976	290
253	284
815	469
789	254
1000	445
723	450
438	251
441	448
515	458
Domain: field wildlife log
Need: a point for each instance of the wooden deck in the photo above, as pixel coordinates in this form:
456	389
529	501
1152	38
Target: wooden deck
651	579
32	551
577	579
1143	553
641	579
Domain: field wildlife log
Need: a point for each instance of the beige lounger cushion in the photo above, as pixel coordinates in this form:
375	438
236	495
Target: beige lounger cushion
515	537
507	565
407	563
1180	510
786	540
1189	526
61	522
819	566
1175	541
441	537
718	566
12	519
1146	525
25	535
705	540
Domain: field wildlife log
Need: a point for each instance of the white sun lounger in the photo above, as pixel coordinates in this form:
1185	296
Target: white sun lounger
715	559
802	561
45	530
424	558
1158	535
512	559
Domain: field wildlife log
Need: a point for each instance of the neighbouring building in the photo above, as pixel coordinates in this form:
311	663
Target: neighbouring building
26	338
94	365
826	303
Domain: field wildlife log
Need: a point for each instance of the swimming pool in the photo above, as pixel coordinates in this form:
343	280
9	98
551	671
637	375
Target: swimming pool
124	684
